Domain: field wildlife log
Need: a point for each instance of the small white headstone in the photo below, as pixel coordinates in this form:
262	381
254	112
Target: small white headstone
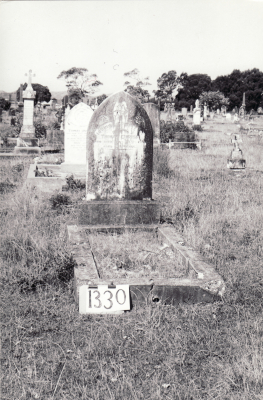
76	127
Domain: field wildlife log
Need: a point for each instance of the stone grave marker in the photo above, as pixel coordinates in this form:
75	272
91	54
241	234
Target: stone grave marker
205	111
153	112
184	111
28	143
119	164
76	125
236	160
197	114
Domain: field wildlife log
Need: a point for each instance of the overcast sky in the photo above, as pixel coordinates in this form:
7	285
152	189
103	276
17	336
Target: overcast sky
112	37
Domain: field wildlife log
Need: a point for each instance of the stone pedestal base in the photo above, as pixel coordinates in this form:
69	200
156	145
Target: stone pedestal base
27	150
236	164
116	213
27	131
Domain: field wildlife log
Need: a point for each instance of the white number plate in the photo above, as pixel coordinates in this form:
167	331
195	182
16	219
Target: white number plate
104	299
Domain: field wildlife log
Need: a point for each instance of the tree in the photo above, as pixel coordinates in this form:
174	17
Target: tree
213	99
42	92
168	85
192	87
135	84
101	98
4	104
79	80
235	84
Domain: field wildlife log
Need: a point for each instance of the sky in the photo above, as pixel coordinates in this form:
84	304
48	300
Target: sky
110	38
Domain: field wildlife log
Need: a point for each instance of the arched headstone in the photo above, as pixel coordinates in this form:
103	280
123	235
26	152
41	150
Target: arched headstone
119	150
76	126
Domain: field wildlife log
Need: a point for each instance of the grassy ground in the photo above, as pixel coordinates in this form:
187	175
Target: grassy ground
204	351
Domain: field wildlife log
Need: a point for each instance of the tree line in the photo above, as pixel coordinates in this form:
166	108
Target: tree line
182	90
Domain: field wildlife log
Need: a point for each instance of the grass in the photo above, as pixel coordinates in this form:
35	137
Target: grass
133	255
188	352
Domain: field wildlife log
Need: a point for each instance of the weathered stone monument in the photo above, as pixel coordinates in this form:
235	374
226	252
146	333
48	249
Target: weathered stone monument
76	124
170	112
197	114
153	111
27	143
184	111
119	165
236	160
205	111
242	110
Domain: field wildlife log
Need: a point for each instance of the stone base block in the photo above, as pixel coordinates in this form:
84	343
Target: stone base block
236	164
27	150
27	131
125	212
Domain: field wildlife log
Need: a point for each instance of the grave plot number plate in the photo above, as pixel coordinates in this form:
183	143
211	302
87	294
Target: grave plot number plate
103	299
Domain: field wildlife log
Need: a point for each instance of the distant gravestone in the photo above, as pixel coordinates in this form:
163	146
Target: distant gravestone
153	112
184	111
76	126
205	111
228	116
197	114
120	150
236	160
191	109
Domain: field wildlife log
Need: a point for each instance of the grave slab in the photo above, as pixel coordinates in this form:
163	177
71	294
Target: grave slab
203	283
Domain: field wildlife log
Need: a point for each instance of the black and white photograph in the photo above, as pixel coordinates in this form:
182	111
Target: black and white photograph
131	199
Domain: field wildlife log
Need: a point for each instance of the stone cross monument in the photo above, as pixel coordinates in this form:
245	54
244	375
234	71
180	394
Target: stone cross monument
27	143
28	130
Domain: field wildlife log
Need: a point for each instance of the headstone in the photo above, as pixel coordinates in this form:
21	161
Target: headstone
120	150
218	111
76	126
184	111
191	109
236	160
119	165
197	114
153	112
223	110
236	119
242	112
228	116
205	112
169	109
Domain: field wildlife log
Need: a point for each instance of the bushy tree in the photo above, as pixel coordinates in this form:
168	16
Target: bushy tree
101	98
135	84
4	104
168	85
235	84
213	99
192	87
176	132
42	92
80	80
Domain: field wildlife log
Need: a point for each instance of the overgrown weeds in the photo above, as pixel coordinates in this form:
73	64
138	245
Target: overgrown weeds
202	351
